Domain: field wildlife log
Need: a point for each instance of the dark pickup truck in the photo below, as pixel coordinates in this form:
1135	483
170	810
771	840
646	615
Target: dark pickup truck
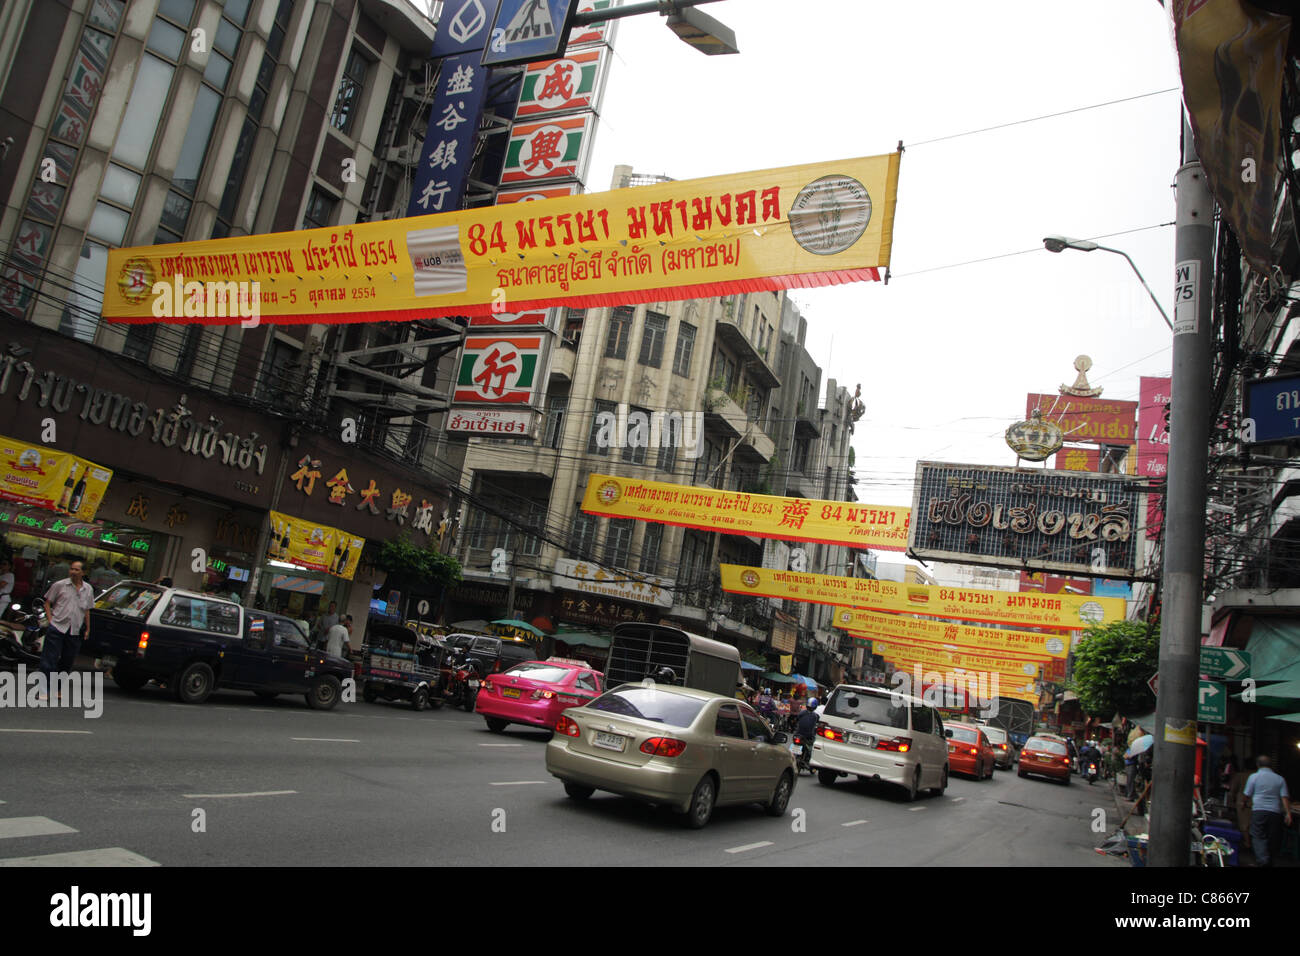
194	643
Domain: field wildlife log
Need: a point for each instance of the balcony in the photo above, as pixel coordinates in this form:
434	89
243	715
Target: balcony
723	413
753	360
756	445
563	359
805	422
517	460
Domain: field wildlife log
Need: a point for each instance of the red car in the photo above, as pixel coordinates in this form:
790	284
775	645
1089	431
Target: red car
969	751
1046	755
535	692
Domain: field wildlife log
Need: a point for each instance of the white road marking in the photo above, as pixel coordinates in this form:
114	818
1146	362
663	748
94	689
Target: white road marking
219	796
329	740
111	856
958	799
258	710
749	846
18	730
515	783
854	823
31	826
500	745
915	809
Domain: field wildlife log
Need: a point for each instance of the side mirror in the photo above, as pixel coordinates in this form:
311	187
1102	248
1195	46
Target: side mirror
779	739
947	731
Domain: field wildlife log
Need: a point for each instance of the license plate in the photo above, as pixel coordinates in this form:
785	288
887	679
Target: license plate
609	741
510	692
1044	759
862	740
473	684
105	662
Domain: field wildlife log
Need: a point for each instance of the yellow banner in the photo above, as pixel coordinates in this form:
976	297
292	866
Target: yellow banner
921	630
56	481
316	547
938	657
796	227
1057	611
762	516
1013	685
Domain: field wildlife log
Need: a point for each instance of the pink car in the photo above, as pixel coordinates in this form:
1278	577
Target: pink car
535	692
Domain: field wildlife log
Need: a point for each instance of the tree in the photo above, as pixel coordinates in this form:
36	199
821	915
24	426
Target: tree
411	568
1112	665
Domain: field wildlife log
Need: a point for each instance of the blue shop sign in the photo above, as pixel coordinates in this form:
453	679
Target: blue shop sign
1273	405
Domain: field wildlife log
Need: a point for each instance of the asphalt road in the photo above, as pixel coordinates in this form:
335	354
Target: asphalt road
242	781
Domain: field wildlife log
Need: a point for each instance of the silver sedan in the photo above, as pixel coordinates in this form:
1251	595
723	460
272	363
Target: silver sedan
687	749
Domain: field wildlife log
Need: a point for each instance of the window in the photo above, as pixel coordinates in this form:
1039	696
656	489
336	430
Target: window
348	100
144	111
81	314
255	633
556	406
652	339
287	635
139	341
195	148
599	440
320	209
695	556
587	681
108	223
754	725
922	720
200	614
801	455
478	529
573	325
685	349
531	544
729	724
725	370
120	185
650	544
618	541
582	541
620	327
667	455
638	435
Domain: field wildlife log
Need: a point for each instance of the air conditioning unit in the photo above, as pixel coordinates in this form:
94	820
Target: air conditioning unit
406	155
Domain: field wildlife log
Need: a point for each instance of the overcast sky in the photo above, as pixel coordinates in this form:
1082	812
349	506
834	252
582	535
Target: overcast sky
945	357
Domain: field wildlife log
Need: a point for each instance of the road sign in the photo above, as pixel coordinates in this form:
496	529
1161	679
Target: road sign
1225	662
1212	702
1154	682
527	30
423	608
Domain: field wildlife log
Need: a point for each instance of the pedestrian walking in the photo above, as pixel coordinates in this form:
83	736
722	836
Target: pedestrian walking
67	609
338	637
1270	807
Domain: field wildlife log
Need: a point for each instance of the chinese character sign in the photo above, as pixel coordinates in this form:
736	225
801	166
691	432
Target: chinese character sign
1153	443
499	370
796	227
448	146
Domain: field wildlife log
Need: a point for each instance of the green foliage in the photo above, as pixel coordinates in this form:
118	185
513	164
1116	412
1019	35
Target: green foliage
1111	667
420	567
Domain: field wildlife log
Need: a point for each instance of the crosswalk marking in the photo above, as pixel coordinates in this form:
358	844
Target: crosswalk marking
109	856
30	827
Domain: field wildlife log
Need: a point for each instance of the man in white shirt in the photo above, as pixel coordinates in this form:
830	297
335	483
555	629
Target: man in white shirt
67	609
337	638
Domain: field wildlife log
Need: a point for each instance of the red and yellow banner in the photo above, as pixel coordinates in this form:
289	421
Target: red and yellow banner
1026	645
54	480
1066	612
761	516
953	657
314	546
796	227
1016	686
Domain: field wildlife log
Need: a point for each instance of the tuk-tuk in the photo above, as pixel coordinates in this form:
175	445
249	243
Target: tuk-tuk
398	663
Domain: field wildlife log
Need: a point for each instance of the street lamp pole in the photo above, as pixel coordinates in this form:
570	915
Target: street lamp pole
1060	243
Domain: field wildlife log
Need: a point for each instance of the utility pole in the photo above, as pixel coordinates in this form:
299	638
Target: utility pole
1189	432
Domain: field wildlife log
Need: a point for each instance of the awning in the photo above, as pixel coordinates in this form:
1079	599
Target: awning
776	678
1284	694
1274	647
1289	718
583	639
746	666
807	681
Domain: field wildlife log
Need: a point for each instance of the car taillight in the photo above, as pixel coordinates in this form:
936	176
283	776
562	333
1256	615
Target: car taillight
1002	746
897	745
566	726
144	643
974	752
830	733
487	685
663	747
1065	760
543	694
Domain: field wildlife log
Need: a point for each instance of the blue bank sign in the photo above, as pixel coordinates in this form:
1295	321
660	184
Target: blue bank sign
1272	410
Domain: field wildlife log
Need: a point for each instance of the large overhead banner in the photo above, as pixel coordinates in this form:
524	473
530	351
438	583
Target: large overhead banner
920	630
796	227
1027	518
731	512
1063	612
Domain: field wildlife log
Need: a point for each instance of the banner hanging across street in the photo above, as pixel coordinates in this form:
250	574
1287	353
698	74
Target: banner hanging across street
53	480
1010	674
761	516
1022	644
796	227
1064	612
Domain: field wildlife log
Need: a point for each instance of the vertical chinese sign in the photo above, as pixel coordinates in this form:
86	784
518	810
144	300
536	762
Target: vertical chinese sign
1153	444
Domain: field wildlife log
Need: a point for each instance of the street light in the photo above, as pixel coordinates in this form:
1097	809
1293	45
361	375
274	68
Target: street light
1060	243
698	29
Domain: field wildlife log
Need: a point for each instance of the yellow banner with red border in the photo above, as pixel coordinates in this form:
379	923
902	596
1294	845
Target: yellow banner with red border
57	481
314	546
922	630
761	516
890	651
1064	612
793	227
1015	686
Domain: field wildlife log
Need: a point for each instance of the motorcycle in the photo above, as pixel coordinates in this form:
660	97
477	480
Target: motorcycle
464	684
804	756
1091	771
22	635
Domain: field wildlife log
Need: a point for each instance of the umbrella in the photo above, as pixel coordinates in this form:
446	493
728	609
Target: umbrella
475	625
522	625
1141	745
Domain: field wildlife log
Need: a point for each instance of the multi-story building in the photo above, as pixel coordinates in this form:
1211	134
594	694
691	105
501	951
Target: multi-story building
160	121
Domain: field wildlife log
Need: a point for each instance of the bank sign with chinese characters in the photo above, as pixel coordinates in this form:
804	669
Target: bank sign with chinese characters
1027	518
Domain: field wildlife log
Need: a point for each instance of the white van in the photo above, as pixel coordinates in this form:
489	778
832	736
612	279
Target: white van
879	734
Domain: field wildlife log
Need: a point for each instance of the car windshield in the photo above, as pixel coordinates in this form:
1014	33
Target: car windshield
649	703
546	673
130	600
1046	746
995	736
965	734
872	708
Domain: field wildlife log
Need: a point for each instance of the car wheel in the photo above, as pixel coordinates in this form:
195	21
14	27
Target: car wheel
194	683
267	694
496	724
943	784
420	699
776	807
914	787
128	679
468	703
702	801
826	777
324	694
369	694
578	791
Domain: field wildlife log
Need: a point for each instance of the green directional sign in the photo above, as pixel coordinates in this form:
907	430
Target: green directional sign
1212	702
1225	662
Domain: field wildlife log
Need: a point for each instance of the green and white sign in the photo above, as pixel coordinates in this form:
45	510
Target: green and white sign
1225	662
1212	702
